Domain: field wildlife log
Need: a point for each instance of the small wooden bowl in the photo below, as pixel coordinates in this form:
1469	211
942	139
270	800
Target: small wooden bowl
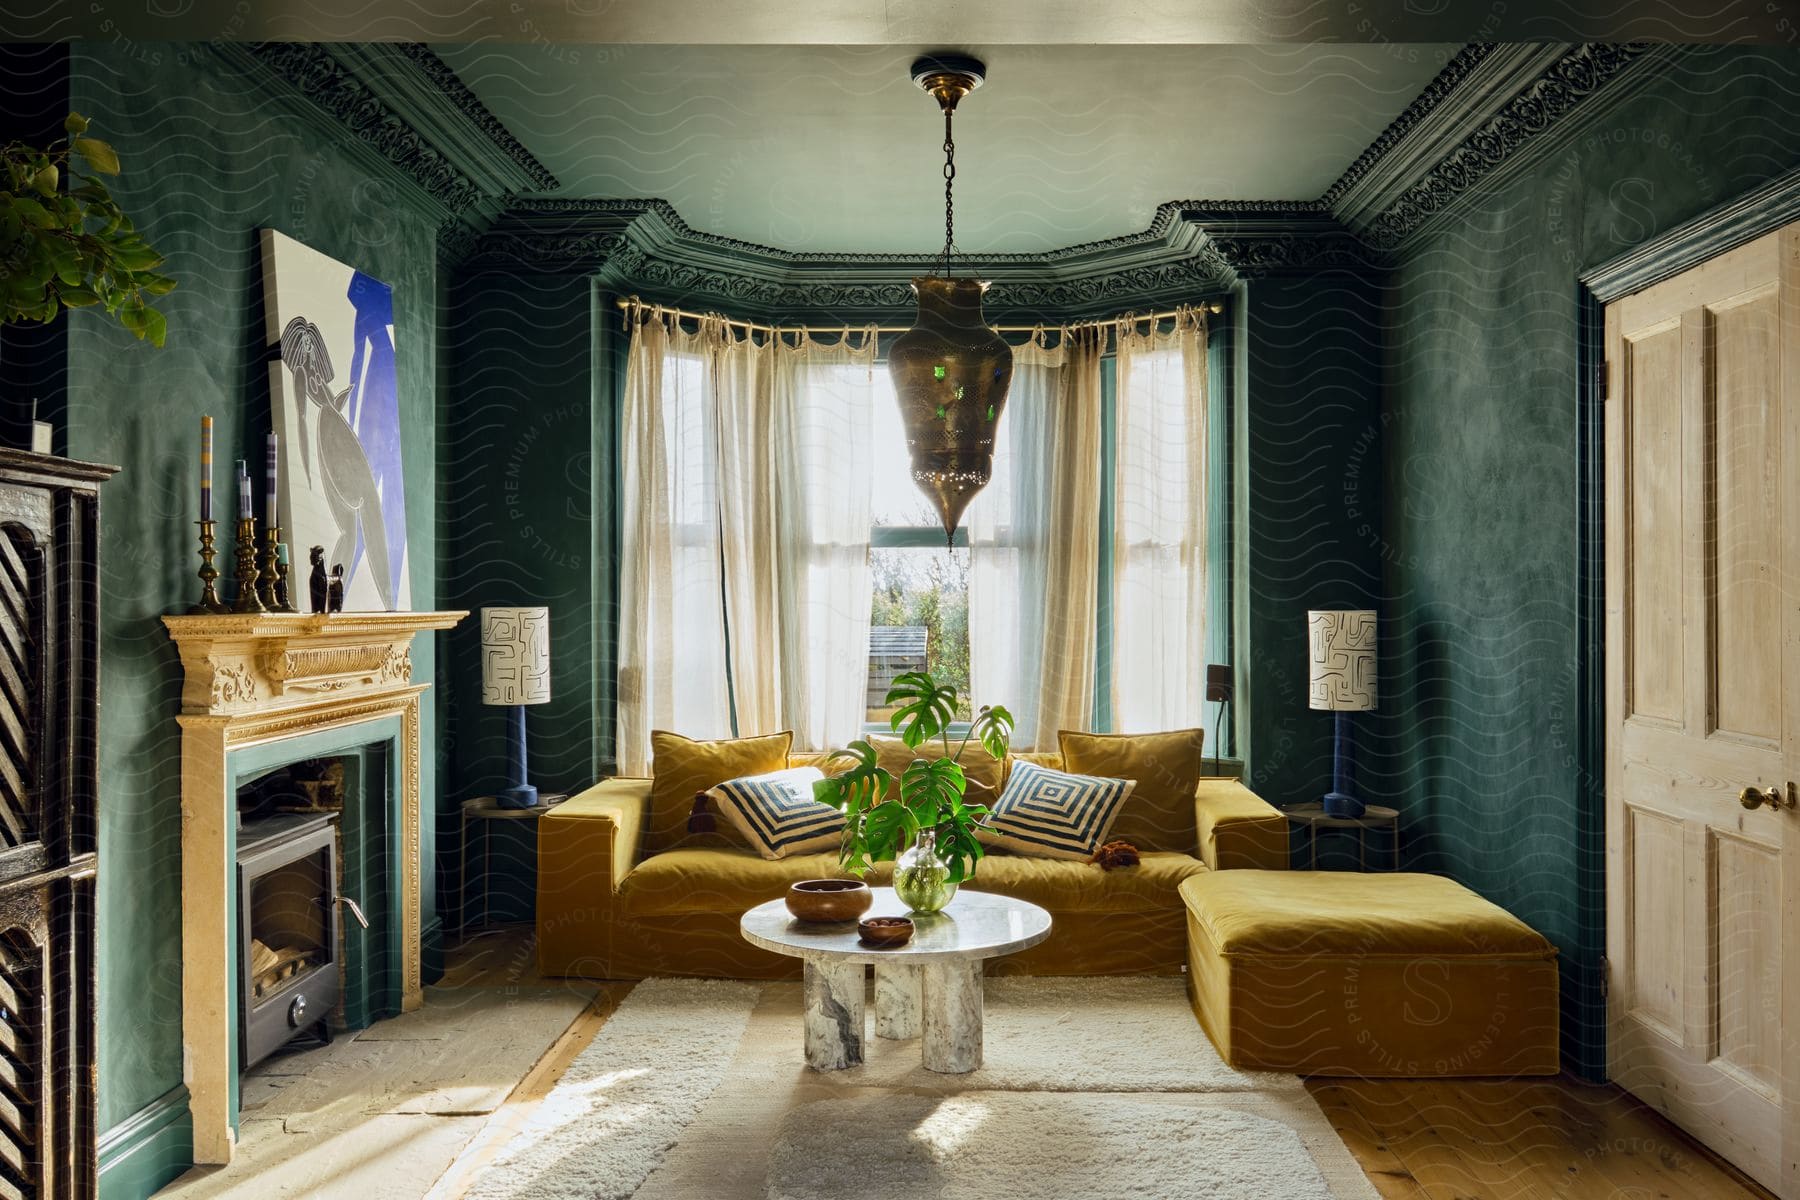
827	900
885	931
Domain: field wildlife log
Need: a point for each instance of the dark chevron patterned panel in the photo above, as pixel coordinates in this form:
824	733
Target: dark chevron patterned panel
21	684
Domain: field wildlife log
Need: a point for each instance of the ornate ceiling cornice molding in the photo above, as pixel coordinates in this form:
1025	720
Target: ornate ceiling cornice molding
313	71
404	104
1569	84
1192	248
447	84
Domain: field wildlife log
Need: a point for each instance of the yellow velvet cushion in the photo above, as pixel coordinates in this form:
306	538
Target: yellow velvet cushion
979	767
730	881
1166	766
718	879
683	768
1346	913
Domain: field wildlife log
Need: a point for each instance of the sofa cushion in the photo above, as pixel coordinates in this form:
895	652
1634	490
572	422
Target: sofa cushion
1303	913
719	879
1053	813
776	814
1063	886
734	880
683	768
982	769
1166	766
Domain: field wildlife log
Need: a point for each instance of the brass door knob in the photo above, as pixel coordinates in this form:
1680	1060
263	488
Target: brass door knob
1755	797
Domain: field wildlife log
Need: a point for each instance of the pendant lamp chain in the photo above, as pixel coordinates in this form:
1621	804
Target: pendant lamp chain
949	183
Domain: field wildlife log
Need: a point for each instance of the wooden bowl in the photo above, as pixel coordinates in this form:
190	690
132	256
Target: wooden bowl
885	931
829	899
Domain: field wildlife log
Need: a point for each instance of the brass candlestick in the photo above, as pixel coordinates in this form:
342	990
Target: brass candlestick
247	600
209	574
266	577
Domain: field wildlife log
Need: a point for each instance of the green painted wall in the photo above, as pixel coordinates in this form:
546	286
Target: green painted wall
1479	534
208	161
526	449
1313	462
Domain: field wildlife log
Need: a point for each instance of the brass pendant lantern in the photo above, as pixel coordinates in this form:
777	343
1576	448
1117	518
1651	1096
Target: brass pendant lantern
951	370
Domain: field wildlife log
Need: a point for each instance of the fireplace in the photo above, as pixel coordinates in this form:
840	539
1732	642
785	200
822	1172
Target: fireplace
288	957
262	692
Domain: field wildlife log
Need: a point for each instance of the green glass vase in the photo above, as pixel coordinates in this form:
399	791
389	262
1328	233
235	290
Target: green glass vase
922	877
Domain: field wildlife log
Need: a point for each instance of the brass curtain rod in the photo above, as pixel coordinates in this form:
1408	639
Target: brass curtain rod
633	304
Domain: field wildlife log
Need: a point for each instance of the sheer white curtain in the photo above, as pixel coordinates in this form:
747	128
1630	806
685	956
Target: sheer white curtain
1159	528
1034	544
823	423
671	622
745	535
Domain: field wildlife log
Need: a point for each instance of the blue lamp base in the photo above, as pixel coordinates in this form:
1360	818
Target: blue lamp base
1341	800
520	794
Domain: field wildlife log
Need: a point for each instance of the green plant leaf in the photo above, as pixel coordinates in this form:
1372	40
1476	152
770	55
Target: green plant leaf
993	727
924	707
31	213
932	789
157	285
98	154
45	180
77	297
156	327
75	123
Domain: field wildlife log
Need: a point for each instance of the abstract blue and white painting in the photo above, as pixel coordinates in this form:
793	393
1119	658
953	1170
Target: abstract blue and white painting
336	406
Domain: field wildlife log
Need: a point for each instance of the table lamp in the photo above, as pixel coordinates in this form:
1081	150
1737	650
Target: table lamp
515	671
1341	673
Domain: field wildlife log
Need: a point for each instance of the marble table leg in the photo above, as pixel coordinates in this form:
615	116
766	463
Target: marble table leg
953	1012
832	993
897	1001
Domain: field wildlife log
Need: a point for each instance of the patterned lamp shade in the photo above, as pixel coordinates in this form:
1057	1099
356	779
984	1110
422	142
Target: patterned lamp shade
1341	660
515	655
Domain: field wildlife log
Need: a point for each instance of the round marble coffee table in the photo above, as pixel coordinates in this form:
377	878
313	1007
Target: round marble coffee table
929	988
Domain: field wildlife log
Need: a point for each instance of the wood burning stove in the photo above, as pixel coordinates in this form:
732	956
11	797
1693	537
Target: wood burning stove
288	973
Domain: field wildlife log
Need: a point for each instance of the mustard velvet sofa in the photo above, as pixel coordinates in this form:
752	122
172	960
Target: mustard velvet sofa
622	894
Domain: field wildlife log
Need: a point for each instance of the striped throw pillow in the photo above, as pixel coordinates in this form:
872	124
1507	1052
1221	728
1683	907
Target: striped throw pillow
1053	814
777	814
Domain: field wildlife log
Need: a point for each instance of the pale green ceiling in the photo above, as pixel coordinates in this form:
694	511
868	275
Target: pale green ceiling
832	148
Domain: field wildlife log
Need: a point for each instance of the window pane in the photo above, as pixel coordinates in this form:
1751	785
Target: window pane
898	500
919	621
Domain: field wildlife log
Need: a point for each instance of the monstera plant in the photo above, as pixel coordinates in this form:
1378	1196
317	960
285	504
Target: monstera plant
928	828
65	243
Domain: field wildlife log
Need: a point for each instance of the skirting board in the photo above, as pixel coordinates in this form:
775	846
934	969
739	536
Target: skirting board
147	1149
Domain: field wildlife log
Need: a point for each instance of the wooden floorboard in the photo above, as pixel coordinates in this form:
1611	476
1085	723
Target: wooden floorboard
1485	1139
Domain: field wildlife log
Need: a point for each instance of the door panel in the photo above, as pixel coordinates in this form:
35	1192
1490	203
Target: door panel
1703	667
1745	382
1653	366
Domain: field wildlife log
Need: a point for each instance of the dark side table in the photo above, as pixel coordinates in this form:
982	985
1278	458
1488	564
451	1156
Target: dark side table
484	809
1312	819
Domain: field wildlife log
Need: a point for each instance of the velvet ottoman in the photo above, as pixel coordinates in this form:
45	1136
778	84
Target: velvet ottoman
1335	973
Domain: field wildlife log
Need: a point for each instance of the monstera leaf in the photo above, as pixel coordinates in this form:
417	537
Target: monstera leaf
993	727
924	709
855	793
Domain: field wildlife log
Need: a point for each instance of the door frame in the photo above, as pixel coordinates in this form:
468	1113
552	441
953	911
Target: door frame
1750	216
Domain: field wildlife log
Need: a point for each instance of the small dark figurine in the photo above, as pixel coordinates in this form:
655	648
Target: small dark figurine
318	583
337	589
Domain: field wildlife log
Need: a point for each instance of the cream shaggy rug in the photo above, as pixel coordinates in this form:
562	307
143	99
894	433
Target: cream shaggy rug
1090	1088
624	1101
980	1145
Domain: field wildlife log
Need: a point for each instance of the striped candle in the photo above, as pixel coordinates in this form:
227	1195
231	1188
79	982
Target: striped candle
245	512
206	468
269	520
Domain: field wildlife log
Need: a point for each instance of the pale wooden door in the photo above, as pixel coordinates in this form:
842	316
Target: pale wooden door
1703	700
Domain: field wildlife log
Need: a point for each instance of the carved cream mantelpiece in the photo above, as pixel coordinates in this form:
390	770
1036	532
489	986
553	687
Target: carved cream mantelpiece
259	662
252	679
